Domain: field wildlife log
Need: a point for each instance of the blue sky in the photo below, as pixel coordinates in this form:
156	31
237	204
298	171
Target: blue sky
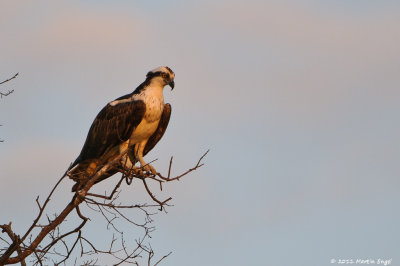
297	100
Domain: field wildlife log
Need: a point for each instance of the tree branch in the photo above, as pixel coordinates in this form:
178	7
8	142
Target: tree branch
7	80
106	208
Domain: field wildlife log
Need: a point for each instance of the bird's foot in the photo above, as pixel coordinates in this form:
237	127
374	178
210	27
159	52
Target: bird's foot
126	163
149	168
129	171
144	170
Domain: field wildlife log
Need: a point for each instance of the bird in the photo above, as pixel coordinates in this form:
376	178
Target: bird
127	127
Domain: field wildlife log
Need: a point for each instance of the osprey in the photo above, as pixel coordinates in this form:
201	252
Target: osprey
129	126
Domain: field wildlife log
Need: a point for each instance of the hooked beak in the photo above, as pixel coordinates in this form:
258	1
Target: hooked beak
172	84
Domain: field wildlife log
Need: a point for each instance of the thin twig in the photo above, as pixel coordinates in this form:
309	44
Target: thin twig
7	80
109	209
198	165
8	92
163	258
4	94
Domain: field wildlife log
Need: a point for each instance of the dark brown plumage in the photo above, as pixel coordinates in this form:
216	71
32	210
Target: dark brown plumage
132	124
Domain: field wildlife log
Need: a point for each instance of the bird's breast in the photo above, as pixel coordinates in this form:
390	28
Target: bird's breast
151	118
154	101
143	131
154	109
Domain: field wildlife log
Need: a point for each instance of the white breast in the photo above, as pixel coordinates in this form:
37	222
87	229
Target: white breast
154	100
143	131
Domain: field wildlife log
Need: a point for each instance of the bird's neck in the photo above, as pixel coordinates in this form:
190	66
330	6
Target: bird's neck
154	90
157	82
151	93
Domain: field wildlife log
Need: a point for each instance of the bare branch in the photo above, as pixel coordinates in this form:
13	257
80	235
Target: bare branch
10	91
163	258
153	197
3	94
198	165
43	207
7	80
109	209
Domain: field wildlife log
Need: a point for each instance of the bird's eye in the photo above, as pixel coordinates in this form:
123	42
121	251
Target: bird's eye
163	75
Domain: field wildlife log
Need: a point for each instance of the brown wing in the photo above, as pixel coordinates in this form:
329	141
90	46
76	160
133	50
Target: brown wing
111	127
153	140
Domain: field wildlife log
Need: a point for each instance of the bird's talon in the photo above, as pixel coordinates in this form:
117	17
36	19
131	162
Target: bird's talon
149	169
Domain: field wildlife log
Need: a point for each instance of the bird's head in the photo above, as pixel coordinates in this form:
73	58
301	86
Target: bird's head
163	75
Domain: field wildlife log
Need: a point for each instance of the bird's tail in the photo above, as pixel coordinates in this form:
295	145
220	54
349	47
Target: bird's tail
83	172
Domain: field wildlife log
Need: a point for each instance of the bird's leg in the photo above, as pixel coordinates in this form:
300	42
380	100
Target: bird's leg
139	155
127	164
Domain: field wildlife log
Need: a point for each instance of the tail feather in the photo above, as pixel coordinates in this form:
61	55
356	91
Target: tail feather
81	174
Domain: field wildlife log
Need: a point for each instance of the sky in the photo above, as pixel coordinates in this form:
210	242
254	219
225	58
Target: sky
296	100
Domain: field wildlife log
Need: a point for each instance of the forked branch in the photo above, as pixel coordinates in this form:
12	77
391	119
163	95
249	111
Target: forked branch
10	91
109	209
